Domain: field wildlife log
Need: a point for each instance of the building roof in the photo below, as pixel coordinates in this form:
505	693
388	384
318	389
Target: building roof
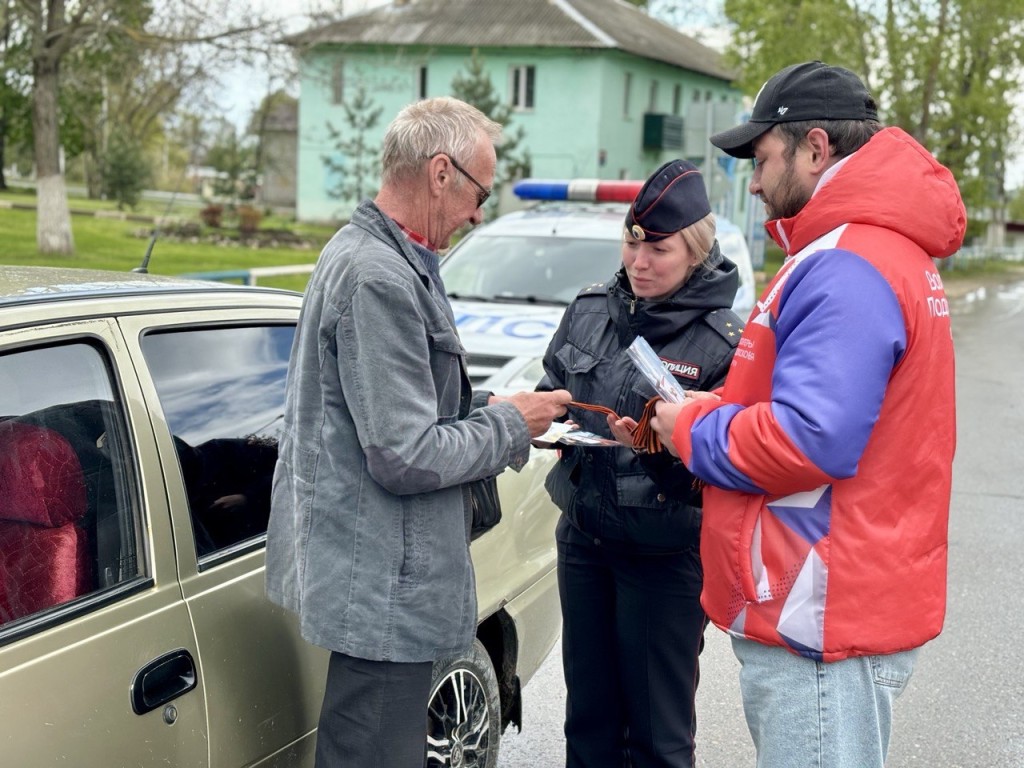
595	24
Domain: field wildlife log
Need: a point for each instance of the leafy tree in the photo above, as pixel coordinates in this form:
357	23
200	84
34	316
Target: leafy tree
234	156
124	171
15	107
765	38
358	158
946	71
475	87
55	29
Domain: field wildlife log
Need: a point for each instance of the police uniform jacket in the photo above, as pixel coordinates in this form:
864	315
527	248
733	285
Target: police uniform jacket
644	503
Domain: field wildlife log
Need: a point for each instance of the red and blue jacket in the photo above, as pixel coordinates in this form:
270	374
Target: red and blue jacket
828	459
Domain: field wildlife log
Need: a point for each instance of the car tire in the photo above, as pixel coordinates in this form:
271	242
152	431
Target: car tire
464	712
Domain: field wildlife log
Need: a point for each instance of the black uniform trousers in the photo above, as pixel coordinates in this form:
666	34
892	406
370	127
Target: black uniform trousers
374	714
633	629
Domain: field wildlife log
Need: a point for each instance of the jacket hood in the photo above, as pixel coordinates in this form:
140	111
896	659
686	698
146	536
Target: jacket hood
713	285
891	182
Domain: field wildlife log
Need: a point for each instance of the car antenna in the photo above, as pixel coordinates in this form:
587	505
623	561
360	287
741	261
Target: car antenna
143	268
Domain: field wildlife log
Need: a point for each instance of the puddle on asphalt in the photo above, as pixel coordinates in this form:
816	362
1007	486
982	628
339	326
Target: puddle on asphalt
1004	299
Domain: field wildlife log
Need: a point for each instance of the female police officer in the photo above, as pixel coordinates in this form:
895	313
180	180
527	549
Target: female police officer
629	571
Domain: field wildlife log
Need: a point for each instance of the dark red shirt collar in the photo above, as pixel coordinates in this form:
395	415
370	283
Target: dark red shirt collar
415	236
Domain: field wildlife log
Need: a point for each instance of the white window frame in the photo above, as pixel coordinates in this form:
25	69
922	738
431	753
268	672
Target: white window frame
522	87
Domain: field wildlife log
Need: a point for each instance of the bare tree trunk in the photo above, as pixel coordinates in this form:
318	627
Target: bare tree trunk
3	109
91	171
53	218
3	147
932	73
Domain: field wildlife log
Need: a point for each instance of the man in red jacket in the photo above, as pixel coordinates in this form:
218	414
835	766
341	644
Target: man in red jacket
827	455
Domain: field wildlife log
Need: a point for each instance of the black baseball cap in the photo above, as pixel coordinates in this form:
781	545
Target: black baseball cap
808	91
672	199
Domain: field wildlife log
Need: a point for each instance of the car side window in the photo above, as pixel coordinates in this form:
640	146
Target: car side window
68	520
222	392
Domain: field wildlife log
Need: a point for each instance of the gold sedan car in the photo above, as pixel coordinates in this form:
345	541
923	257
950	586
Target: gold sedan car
138	430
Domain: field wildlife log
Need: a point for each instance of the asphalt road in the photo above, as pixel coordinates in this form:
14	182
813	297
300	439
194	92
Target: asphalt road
965	704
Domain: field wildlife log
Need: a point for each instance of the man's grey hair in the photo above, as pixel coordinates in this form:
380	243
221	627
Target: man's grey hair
430	127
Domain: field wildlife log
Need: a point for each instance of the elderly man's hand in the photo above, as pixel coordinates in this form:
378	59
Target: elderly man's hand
540	408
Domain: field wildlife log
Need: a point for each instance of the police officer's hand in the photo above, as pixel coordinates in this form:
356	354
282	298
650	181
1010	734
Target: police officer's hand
622	429
540	408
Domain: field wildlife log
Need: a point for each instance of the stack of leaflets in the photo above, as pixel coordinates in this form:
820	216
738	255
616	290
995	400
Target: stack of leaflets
654	370
571	434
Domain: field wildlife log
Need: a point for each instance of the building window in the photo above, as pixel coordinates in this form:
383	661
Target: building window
521	87
677	98
652	98
627	87
423	83
338	82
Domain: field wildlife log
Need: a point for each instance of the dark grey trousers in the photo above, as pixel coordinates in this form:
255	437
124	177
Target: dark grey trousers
632	632
374	714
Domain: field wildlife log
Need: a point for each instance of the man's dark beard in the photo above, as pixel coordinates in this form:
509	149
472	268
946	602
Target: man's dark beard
788	198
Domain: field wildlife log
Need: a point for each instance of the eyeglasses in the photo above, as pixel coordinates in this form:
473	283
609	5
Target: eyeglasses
483	194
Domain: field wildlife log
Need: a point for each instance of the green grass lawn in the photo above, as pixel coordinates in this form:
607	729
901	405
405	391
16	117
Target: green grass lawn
104	243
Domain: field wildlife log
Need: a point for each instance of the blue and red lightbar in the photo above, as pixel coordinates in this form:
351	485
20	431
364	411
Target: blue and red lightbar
588	190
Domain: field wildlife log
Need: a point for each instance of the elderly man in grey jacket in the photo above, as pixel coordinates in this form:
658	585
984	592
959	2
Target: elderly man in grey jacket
368	539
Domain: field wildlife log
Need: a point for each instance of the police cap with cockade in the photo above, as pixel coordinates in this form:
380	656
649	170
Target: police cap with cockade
672	199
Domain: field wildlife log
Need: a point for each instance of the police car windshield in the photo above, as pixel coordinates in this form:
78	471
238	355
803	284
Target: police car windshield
534	269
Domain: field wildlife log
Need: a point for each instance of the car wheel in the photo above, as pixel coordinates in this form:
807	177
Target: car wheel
463	715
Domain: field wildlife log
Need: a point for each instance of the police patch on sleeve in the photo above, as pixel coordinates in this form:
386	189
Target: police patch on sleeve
682	369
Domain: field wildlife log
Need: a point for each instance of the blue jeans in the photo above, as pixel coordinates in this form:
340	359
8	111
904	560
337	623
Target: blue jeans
808	714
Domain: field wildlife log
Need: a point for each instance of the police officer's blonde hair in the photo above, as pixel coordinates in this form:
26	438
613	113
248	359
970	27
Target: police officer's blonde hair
700	237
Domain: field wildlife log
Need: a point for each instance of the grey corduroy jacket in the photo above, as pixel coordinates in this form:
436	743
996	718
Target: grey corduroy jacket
368	540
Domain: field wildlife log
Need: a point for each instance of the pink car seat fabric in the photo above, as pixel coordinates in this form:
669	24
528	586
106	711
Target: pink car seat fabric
44	552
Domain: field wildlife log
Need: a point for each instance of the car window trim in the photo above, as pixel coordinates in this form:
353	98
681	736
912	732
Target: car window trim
63	613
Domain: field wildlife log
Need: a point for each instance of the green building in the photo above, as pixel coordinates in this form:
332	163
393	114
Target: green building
599	88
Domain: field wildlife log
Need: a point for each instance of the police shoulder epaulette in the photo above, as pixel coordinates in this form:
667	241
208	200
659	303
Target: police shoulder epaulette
594	289
726	323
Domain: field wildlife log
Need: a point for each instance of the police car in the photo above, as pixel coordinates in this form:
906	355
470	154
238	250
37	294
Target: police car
510	281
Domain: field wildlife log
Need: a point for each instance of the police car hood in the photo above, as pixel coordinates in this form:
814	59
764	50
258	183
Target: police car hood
506	329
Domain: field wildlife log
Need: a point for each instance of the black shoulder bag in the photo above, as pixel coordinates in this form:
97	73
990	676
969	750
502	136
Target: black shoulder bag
484	505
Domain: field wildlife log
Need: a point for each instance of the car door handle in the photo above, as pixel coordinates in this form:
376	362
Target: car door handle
163	679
